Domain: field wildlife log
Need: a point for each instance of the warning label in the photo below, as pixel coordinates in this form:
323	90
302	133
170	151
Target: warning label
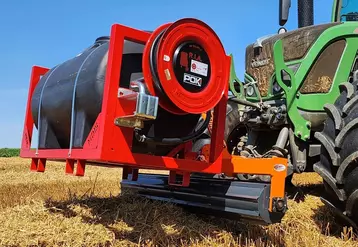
199	68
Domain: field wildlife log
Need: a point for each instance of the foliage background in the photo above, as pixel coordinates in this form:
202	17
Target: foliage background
9	152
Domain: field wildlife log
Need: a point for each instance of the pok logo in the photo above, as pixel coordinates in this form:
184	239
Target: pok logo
193	80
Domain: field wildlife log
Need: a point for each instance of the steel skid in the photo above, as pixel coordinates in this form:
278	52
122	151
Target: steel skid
109	143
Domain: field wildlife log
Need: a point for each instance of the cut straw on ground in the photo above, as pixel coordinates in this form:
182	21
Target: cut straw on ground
54	209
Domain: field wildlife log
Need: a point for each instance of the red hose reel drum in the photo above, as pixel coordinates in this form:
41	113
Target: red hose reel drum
184	66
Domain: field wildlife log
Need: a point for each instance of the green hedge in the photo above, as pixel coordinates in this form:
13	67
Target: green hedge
9	152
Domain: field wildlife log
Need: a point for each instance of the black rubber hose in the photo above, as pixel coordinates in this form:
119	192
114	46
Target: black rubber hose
153	56
244	102
173	140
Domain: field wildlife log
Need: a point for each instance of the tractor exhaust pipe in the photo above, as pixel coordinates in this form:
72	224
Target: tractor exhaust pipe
305	13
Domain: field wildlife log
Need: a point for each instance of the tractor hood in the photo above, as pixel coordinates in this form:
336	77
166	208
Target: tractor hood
259	55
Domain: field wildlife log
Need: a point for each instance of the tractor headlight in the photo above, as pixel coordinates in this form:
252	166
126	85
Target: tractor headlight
276	87
250	91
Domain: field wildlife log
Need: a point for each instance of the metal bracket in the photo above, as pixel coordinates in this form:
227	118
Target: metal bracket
70	167
185	181
145	107
234	80
302	127
130	171
38	165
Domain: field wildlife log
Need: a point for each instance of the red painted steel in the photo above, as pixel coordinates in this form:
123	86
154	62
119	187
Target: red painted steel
70	167
163	102
36	73
110	144
198	32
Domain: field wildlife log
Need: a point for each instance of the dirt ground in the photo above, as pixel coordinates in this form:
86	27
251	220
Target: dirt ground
54	209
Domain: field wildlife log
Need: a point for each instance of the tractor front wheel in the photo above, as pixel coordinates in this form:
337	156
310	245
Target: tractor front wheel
338	164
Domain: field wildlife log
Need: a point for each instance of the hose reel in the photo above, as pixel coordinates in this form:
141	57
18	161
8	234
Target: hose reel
183	66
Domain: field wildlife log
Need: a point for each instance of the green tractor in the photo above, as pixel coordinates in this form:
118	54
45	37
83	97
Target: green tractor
299	100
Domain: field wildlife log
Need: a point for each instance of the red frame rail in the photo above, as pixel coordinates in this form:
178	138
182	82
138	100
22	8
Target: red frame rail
108	143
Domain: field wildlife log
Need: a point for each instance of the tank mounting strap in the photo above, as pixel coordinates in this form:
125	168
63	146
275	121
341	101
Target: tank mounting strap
39	115
74	100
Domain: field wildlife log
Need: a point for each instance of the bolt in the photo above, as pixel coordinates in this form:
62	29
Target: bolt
308	125
299	134
297	95
280	205
306	137
300	166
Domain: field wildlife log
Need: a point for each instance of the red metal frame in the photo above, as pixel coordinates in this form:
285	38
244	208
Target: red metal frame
108	143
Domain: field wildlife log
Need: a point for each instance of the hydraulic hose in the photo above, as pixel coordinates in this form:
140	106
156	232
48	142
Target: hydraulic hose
244	102
173	140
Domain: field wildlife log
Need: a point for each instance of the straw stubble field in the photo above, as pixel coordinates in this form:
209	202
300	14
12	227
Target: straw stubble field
52	209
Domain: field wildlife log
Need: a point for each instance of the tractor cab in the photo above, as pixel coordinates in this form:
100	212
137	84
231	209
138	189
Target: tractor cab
345	10
350	16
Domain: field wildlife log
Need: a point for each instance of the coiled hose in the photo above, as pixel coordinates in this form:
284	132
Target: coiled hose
173	140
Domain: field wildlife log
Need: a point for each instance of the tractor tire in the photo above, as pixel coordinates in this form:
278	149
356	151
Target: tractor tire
231	134
338	164
233	130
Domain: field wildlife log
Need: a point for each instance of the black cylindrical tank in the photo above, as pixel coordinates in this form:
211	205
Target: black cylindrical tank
52	99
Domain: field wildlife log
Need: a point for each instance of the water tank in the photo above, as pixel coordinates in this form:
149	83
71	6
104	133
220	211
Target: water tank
51	102
52	99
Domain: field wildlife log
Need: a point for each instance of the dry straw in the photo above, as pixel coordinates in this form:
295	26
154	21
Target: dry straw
52	209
